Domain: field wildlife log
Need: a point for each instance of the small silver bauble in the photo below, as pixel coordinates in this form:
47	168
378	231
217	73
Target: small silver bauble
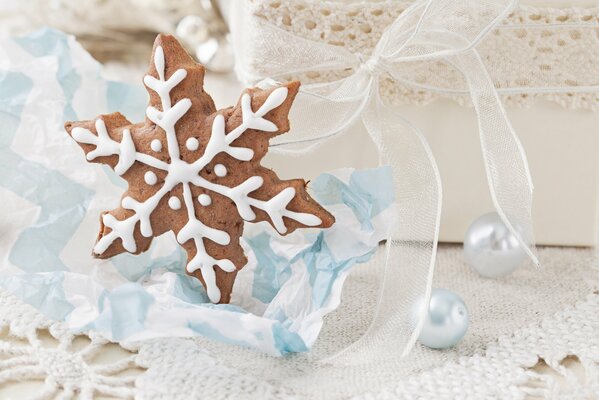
446	322
491	249
193	29
207	35
216	53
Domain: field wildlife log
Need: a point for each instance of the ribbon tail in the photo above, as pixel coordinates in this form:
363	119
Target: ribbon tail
411	245
506	165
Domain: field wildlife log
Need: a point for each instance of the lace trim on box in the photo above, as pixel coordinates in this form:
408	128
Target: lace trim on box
536	53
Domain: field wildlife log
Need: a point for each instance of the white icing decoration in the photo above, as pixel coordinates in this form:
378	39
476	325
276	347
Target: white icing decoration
179	172
192	144
150	178
220	170
205	200
156	145
174	203
106	146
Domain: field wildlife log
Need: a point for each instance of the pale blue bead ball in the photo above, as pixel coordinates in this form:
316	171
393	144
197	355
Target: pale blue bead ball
446	322
491	249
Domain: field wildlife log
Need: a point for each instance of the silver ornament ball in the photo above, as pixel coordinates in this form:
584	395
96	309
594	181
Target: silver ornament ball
446	322
491	249
216	54
193	29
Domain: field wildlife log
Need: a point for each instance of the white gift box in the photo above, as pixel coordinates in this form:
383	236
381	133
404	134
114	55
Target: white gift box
559	131
565	168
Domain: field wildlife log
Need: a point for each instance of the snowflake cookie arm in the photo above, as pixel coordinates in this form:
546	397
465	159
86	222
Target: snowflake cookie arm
183	82
286	204
259	126
213	260
136	152
112	140
257	192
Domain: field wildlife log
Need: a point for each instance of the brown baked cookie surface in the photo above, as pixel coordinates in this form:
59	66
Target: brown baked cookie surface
195	170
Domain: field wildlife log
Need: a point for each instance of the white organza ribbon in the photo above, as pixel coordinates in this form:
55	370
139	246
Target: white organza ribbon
429	31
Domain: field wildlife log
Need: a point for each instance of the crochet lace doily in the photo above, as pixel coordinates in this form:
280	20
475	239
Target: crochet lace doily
534	52
547	317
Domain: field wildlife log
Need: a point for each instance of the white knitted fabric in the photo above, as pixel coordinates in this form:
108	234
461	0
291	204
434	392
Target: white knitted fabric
548	314
534	50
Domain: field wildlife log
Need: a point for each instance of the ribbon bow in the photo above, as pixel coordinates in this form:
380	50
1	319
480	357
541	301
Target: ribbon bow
429	31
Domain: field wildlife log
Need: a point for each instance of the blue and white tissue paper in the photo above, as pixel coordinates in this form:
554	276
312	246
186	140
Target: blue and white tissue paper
52	199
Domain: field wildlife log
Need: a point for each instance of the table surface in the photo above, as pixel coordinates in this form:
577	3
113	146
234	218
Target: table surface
112	353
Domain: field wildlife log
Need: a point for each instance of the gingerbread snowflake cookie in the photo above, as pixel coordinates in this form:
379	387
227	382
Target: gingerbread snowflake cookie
196	171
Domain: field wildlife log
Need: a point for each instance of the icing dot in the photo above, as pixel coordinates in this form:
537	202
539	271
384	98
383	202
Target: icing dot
150	178
192	144
220	170
204	199
174	203
156	145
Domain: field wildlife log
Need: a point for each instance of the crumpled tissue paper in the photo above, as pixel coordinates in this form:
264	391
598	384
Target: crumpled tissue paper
52	198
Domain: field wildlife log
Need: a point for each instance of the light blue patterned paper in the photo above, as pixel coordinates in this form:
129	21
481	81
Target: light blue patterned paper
53	199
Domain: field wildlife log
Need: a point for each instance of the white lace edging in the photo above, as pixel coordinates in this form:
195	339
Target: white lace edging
65	368
536	53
